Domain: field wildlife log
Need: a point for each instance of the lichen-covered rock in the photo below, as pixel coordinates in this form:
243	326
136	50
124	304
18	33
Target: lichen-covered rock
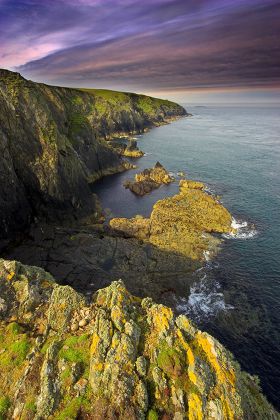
182	223
148	180
132	359
132	150
25	291
126	147
64	302
52	145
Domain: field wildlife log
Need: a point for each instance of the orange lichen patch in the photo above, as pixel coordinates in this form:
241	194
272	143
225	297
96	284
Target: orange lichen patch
10	276
98	367
190	358
94	344
225	376
162	316
195	407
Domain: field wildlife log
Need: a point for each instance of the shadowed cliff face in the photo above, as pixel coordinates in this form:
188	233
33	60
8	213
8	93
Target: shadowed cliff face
52	144
116	356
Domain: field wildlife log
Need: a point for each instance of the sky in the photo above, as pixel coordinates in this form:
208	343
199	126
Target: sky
215	50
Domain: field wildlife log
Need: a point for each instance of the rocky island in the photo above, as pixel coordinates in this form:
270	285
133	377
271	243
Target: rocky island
74	344
148	180
182	223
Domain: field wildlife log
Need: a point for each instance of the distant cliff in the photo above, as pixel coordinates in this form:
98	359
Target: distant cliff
116	357
52	144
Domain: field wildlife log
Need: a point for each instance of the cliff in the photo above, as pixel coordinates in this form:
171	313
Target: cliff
52	145
115	356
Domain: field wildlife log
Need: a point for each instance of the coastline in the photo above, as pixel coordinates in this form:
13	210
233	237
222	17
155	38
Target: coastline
90	257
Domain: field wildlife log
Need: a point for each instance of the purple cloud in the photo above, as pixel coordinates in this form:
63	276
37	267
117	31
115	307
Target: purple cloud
155	44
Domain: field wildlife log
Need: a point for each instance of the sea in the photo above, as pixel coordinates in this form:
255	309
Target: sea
235	151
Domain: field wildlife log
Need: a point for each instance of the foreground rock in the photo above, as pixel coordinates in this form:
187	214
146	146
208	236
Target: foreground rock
149	180
183	223
116	356
52	145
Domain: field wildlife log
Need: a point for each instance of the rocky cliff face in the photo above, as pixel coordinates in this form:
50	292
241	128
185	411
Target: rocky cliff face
115	356
52	144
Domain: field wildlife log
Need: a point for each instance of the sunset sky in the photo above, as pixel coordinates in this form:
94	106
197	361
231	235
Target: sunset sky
195	49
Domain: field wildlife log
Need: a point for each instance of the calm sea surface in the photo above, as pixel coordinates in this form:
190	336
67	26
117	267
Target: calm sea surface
236	152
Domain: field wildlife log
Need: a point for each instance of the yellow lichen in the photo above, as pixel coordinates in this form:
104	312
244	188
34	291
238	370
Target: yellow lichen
190	358
94	343
195	407
161	318
10	275
97	366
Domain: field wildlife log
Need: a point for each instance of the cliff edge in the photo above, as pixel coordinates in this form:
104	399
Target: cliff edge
116	356
53	144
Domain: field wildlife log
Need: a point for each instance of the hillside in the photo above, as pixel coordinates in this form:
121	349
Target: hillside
53	144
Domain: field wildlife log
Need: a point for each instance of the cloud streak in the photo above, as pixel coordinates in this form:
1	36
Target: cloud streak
147	45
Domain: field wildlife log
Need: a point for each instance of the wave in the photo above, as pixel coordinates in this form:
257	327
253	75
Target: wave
242	230
205	300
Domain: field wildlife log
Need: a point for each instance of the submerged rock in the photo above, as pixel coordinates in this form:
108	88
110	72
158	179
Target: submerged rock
148	180
182	223
133	359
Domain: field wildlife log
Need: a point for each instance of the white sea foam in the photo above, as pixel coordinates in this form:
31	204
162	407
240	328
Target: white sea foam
205	300
206	255
243	230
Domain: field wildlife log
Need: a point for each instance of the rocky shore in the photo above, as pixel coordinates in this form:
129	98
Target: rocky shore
115	356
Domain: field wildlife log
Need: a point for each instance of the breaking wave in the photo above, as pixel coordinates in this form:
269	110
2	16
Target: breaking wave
243	230
205	300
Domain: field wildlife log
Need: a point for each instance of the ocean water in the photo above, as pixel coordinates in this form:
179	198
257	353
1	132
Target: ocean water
236	152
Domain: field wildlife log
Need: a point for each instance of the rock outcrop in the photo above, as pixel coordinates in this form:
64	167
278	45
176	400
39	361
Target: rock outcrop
115	356
182	223
52	145
149	180
132	150
126	147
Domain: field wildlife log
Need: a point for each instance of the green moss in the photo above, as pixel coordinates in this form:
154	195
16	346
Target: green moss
16	351
14	328
76	349
20	348
71	410
4	407
30	406
152	415
170	361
